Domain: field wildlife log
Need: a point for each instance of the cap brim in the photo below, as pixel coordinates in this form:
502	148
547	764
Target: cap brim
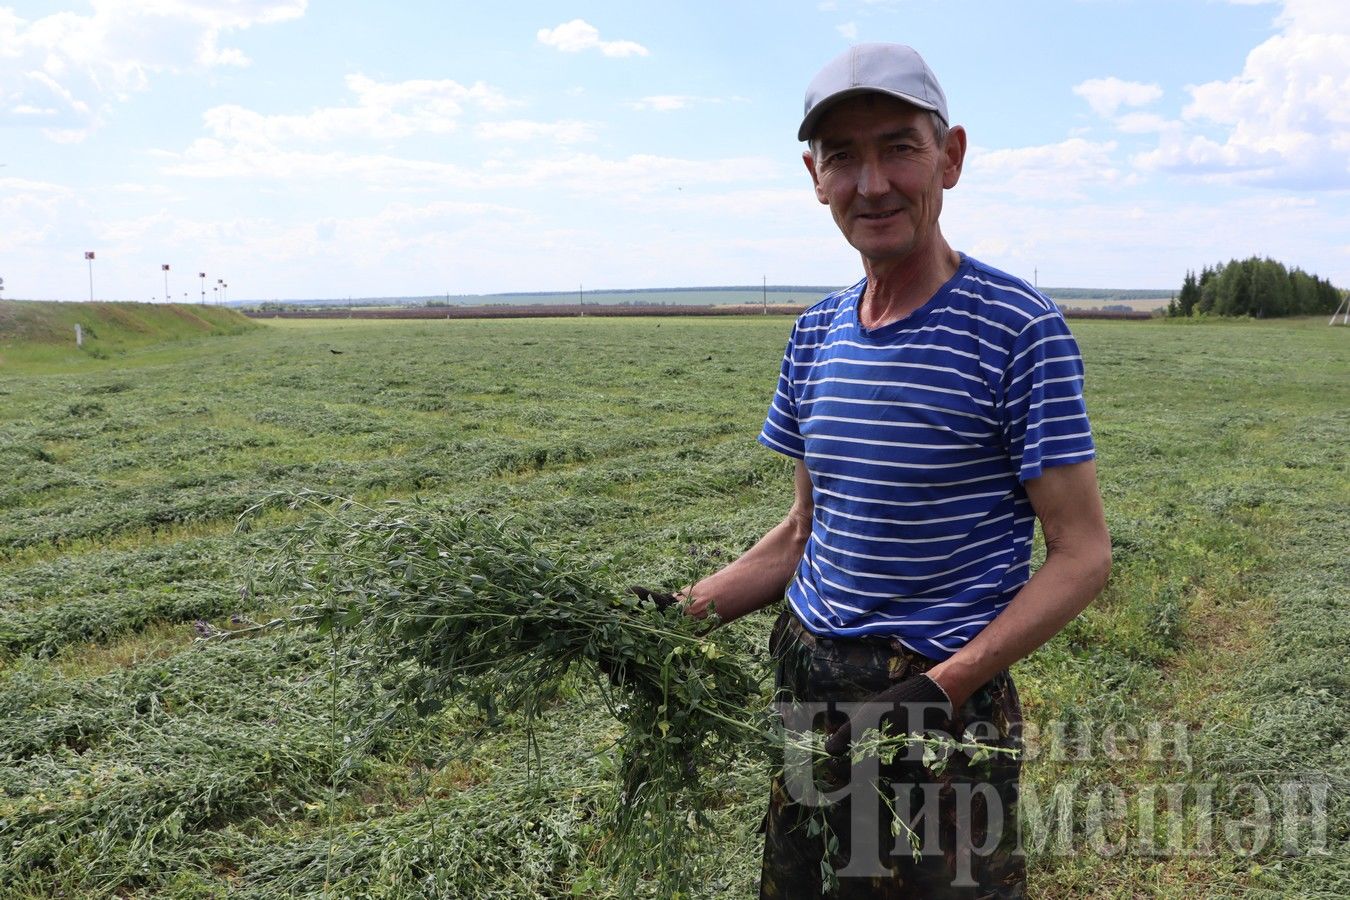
812	119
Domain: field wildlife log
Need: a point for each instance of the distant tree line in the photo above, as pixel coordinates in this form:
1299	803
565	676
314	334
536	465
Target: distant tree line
1261	288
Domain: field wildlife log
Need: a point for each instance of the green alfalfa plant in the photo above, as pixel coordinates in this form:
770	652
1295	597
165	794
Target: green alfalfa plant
426	608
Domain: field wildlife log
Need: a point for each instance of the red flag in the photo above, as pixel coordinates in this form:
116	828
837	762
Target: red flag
89	254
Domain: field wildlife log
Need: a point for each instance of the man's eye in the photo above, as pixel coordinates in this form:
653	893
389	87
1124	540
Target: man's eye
837	157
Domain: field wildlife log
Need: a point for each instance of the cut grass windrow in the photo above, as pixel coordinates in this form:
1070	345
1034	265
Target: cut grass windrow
1223	463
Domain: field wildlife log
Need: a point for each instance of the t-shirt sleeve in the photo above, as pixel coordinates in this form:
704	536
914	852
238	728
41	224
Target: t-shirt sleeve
781	430
1045	421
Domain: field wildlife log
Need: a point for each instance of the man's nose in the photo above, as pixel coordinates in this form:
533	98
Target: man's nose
872	180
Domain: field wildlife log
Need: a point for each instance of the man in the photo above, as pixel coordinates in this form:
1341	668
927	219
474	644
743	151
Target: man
935	412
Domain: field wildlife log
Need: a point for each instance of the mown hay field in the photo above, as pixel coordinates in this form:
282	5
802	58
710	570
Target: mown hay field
138	760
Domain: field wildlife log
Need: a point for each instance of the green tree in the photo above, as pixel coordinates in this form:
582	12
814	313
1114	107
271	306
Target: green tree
1209	291
1255	286
1190	295
1233	290
1270	289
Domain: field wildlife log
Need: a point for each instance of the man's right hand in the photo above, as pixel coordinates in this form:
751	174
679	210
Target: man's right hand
663	601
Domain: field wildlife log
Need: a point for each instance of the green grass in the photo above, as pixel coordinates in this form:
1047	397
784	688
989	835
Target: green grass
138	762
42	334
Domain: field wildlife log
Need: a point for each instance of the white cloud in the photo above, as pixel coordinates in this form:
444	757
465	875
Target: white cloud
566	131
849	30
1143	243
212	159
1066	170
671	102
17	187
65	135
663	102
1284	120
628	180
578	35
382	111
79	64
439	95
1143	123
785	208
1106	95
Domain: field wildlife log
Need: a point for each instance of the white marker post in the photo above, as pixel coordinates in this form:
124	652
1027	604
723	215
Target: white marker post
1343	310
79	336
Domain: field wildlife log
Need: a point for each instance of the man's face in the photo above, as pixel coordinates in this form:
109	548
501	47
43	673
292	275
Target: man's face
876	163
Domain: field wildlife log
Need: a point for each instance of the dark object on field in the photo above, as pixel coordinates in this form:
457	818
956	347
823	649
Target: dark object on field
663	601
336	352
918	705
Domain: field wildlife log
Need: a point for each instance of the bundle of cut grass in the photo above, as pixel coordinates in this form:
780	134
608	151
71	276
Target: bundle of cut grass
432	608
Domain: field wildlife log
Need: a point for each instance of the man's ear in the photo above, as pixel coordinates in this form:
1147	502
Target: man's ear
815	179
955	152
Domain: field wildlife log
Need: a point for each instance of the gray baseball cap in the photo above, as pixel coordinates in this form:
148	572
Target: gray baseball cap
892	69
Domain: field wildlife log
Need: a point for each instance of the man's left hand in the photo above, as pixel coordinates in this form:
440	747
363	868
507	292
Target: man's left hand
916	704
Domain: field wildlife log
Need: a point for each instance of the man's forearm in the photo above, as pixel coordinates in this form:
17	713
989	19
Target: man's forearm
1077	563
755	580
1058	592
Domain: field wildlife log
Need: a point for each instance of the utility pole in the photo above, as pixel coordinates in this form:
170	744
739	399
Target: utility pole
766	295
89	256
165	267
202	276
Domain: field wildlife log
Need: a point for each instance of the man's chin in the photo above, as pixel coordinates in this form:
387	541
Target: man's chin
883	251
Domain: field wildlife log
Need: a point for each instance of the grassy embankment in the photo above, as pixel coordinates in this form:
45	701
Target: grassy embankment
34	333
139	762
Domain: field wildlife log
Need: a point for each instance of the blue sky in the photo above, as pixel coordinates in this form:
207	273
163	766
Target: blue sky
327	149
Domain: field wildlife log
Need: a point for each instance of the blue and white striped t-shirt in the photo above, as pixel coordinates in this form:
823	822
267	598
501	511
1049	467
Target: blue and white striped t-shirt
918	437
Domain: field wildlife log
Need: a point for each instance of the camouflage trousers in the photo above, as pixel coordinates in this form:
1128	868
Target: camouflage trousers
957	830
